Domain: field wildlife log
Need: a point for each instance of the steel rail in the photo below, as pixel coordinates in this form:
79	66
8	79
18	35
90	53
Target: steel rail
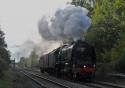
109	84
52	81
36	81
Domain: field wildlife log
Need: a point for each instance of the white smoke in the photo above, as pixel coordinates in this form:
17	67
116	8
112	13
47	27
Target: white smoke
46	46
29	46
70	22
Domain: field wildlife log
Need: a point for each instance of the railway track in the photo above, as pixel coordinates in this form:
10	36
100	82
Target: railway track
98	84
44	82
40	85
72	84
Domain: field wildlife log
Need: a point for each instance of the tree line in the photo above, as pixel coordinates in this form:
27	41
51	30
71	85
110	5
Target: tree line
29	62
107	32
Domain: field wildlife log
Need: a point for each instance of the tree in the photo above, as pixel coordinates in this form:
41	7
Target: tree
4	54
118	53
89	4
22	62
29	62
34	59
108	20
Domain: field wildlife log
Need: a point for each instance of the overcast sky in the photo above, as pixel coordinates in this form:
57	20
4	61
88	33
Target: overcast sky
19	18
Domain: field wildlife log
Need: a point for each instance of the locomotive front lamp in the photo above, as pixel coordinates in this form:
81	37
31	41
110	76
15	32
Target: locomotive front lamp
84	66
66	63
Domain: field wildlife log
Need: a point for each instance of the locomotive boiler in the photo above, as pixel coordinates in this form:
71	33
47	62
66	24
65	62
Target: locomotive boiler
76	60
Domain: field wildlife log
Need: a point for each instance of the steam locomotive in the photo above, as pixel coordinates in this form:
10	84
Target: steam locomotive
76	60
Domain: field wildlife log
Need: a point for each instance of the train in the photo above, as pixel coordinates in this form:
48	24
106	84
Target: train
75	60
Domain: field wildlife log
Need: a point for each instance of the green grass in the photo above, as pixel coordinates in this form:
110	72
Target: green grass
5	81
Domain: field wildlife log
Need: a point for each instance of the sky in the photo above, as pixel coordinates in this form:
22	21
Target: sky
19	19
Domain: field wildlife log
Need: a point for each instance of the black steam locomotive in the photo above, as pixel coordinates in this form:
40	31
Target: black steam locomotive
76	60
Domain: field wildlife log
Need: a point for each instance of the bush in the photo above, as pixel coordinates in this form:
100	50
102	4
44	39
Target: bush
118	53
120	64
2	67
103	70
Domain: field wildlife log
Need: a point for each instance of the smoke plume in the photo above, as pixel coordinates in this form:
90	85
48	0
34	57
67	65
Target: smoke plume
70	22
46	46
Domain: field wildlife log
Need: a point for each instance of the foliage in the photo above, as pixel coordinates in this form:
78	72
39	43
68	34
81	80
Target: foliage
30	62
107	23
88	4
118	53
4	54
6	80
22	62
84	3
34	59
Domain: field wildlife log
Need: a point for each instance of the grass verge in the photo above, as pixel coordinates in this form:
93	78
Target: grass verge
5	81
